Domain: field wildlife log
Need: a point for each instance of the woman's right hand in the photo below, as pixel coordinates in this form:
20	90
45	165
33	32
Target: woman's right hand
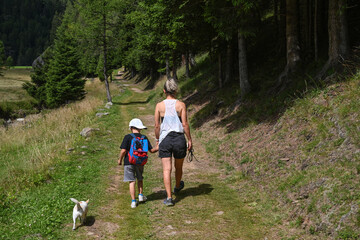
189	145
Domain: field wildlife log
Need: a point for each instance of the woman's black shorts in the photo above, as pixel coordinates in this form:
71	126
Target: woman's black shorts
173	144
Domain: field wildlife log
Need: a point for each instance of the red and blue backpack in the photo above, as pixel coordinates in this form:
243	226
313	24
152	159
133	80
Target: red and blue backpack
138	150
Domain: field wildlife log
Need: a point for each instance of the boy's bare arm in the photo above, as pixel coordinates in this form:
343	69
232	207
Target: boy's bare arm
121	156
154	150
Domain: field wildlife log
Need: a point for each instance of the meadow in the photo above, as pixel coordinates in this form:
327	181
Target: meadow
11	84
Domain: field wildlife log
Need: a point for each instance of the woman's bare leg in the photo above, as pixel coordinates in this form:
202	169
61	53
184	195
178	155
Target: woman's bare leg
166	163
178	171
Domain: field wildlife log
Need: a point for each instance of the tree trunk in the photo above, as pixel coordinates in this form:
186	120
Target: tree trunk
174	76
338	36
292	38
220	70
282	27
192	60
187	72
243	71
228	63
338	30
132	72
315	31
276	17
292	43
108	95
168	73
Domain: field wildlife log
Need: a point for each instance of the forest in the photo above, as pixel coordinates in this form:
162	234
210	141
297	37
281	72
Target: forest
151	38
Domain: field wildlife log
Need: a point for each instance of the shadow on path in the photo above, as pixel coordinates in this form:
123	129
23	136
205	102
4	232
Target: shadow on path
151	96
89	221
156	196
202	189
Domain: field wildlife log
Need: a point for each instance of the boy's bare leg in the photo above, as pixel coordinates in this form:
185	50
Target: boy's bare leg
166	163
132	189
140	186
178	171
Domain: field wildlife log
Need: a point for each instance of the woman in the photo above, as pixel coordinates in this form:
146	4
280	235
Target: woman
170	125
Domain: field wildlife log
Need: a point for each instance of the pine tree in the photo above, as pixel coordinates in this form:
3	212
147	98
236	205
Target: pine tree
36	88
2	56
64	76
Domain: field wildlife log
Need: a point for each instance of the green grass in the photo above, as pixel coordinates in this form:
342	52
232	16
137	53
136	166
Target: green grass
15	102
21	67
42	208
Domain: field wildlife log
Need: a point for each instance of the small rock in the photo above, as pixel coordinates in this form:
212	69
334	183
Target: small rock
172	233
188	222
170	227
102	114
69	150
90	233
83	153
108	105
284	159
86	132
84	147
219	213
79	167
20	119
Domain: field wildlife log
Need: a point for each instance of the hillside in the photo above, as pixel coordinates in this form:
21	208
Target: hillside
295	161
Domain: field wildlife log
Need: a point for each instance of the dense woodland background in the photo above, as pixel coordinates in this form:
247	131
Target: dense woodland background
281	38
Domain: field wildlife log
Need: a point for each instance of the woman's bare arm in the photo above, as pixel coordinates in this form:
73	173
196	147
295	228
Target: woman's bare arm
185	123
157	122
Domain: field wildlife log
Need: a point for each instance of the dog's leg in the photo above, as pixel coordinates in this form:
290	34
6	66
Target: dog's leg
74	218
84	217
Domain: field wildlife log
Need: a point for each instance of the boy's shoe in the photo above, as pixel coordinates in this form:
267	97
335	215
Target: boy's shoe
142	198
133	204
182	184
169	202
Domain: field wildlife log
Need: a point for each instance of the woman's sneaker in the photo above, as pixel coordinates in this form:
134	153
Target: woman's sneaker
169	202
182	184
142	198
133	204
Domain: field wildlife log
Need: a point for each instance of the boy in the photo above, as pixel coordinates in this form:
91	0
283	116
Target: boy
133	172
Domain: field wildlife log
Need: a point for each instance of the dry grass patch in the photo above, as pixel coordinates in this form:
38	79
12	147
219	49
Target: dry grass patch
35	145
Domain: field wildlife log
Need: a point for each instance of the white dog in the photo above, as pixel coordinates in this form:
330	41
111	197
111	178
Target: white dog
80	210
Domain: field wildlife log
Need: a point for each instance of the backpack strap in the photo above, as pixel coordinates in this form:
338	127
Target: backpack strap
133	135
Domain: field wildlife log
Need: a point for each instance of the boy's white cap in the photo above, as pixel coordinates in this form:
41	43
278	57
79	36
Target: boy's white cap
136	123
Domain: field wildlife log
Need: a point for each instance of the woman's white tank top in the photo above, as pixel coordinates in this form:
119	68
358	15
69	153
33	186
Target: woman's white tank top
171	122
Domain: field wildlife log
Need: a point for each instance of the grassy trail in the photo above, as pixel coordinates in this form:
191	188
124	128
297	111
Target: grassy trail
205	208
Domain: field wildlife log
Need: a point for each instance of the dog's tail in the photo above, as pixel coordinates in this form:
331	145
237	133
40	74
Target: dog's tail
74	200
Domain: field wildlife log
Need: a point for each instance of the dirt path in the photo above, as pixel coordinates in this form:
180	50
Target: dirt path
205	208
